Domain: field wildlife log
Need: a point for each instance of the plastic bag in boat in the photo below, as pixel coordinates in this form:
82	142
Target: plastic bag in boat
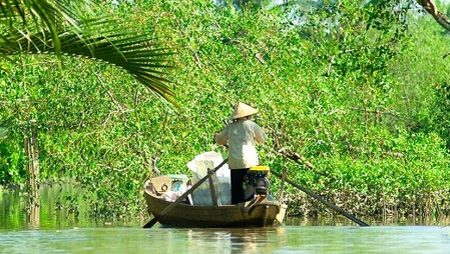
221	179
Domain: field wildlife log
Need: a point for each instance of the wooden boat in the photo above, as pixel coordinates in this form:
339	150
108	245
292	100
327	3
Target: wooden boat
259	212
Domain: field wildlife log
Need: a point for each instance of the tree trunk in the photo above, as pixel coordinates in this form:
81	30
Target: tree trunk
32	153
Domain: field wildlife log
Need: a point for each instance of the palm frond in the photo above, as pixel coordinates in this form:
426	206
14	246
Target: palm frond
133	54
56	28
43	15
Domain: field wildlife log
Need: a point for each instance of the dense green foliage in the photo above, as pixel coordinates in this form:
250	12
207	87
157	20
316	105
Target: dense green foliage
362	93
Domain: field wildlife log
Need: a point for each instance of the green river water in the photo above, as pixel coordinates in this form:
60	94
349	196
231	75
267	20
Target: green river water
59	233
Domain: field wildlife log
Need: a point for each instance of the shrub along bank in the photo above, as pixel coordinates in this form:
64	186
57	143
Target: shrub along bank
361	93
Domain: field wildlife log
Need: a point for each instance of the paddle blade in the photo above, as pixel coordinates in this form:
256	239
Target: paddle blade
151	223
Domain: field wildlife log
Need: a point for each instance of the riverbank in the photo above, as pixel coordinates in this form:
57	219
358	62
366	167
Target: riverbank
58	211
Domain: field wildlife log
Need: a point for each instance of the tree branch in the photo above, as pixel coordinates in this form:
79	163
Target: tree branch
431	8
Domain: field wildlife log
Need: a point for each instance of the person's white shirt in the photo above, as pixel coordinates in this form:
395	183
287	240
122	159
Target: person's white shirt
241	136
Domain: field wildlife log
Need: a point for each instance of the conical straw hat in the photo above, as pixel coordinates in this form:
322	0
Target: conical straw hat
242	110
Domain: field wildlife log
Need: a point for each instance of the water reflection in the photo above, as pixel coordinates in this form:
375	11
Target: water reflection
286	239
235	240
20	211
34	214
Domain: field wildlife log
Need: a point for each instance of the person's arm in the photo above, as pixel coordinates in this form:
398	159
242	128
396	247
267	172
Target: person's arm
222	137
260	136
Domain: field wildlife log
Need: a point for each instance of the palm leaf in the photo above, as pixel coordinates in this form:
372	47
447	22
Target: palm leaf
41	14
43	26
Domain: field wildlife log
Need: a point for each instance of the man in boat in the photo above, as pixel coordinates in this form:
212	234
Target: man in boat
241	137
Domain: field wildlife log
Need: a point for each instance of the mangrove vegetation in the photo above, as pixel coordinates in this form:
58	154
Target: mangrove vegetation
354	97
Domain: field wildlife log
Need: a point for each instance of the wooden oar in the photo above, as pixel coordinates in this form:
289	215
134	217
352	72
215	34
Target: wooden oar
319	198
183	197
